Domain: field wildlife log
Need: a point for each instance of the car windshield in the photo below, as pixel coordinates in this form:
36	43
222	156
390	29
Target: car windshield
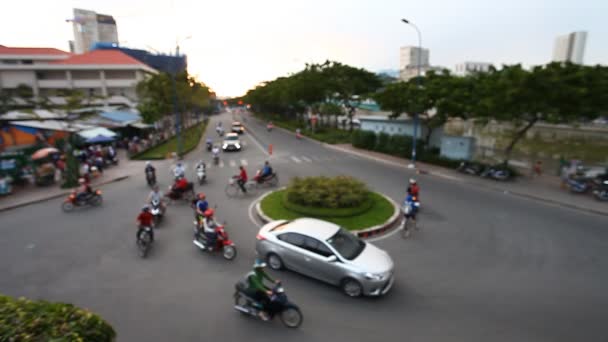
232	138
236	125
345	243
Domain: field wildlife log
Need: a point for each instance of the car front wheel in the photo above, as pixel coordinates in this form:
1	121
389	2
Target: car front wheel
352	288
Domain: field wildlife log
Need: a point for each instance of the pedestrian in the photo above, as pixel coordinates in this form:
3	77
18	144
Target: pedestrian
538	168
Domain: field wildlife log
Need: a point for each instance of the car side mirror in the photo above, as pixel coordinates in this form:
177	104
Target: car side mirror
332	258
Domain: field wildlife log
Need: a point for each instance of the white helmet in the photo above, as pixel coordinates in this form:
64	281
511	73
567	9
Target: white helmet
412	181
148	163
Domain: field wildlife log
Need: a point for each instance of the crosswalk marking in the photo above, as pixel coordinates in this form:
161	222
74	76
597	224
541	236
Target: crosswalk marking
244	162
221	163
295	159
306	159
232	163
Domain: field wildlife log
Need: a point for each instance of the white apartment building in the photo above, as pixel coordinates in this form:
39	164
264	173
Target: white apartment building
570	47
90	28
410	55
106	77
468	68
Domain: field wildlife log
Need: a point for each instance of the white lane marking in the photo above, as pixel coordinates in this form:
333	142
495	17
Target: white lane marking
221	163
317	159
384	236
232	163
250	212
244	162
306	159
295	159
258	144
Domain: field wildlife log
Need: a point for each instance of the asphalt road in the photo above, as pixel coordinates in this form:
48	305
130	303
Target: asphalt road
486	266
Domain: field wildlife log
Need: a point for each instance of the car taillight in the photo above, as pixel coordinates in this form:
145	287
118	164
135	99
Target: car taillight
260	237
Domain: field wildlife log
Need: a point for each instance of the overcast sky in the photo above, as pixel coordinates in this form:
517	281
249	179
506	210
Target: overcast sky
236	44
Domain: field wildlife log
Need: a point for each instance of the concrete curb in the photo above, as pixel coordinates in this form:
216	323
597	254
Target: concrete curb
485	186
363	233
61	194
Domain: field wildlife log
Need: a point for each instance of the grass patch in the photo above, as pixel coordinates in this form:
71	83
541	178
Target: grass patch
190	139
379	212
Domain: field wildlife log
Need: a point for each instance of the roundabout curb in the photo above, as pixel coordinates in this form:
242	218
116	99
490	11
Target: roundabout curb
363	233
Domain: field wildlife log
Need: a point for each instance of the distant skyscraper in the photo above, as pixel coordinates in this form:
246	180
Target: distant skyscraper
570	47
409	57
90	28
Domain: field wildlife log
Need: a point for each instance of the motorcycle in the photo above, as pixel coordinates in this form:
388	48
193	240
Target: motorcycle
271	180
289	313
144	242
111	160
470	168
92	198
216	158
222	243
201	174
407	208
187	195
150	178
578	185
496	172
601	192
209	146
269	127
157	212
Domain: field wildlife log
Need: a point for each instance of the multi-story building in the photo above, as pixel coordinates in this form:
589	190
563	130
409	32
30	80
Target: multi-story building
410	56
106	77
570	47
468	68
161	62
90	28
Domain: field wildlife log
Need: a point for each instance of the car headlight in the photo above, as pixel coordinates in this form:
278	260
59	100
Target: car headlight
372	276
237	145
224	146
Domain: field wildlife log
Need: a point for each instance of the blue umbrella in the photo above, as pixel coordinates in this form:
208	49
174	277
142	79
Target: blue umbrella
99	139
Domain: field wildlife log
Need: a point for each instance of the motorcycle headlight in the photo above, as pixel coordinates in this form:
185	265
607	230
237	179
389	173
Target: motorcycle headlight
372	276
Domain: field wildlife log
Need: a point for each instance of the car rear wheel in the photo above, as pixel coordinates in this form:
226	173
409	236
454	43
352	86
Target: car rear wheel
275	262
351	287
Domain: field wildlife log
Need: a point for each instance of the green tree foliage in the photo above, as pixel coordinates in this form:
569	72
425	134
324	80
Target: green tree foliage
156	95
74	100
27	320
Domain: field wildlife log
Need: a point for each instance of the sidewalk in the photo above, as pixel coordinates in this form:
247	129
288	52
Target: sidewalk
31	194
544	188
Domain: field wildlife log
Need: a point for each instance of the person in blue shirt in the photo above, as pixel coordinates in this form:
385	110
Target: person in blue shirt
200	206
411	206
265	173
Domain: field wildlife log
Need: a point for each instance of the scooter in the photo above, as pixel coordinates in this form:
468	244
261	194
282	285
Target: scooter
470	168
269	127
201	174
578	185
271	180
209	146
279	305
216	158
157	212
150	178
222	243
144	242
92	198
497	173
601	192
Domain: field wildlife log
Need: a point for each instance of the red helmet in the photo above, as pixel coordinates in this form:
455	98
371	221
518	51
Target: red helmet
201	196
209	212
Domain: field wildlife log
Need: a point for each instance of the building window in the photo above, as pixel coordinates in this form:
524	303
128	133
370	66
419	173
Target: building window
27	61
9	61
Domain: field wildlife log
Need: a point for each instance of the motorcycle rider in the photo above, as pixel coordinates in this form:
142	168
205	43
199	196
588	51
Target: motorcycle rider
200	206
215	151
179	170
180	185
241	179
201	166
256	288
145	219
156	195
209	143
269	125
265	173
411	200
209	226
84	189
413	188
150	171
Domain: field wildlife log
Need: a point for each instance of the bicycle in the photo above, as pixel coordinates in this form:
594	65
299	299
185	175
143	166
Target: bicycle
233	188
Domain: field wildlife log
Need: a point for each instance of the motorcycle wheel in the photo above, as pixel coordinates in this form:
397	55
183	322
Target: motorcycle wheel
274	181
67	206
143	248
97	200
291	317
229	252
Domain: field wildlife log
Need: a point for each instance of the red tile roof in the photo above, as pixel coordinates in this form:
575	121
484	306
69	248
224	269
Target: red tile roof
5	50
103	57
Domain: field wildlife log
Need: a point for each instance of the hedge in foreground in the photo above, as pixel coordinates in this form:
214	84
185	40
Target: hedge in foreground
325	192
29	320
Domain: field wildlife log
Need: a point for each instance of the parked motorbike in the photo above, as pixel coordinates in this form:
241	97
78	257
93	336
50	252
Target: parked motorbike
144	242
92	198
289	313
470	168
222	243
496	172
111	160
157	212
578	185
201	174
601	191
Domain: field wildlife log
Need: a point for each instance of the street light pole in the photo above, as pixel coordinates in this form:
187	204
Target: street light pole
418	80
175	107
